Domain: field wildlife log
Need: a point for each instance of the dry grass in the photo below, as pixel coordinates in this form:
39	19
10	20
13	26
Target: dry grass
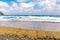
28	33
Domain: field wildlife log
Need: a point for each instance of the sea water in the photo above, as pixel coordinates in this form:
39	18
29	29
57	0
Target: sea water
31	22
30	18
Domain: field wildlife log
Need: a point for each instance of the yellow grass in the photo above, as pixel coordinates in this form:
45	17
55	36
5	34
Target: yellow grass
28	33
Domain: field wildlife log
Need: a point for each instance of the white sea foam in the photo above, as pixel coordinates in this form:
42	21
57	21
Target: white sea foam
29	18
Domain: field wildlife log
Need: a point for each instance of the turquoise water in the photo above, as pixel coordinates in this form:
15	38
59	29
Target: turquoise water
35	15
22	16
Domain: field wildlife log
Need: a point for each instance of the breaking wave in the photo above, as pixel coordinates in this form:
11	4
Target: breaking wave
29	18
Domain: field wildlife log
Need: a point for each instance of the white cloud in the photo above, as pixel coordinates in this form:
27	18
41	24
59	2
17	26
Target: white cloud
4	7
27	5
20	0
3	4
48	7
21	8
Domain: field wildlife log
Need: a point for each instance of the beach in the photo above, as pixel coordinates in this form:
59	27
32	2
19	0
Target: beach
32	25
7	33
30	29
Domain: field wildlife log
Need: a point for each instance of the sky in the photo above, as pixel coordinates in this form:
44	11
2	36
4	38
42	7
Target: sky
30	7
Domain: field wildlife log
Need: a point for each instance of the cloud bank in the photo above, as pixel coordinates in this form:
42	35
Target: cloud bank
31	7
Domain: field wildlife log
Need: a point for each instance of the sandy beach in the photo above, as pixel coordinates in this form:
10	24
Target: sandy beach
7	33
29	30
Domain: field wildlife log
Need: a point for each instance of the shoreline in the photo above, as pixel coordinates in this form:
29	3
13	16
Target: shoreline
32	25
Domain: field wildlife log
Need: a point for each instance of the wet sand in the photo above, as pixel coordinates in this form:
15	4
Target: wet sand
32	25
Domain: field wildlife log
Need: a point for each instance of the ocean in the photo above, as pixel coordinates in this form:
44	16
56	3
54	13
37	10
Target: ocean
47	23
30	17
26	16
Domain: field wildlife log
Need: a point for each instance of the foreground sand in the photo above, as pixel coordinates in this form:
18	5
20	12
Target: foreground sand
24	34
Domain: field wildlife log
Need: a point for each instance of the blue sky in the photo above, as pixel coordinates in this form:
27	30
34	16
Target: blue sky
7	0
30	7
